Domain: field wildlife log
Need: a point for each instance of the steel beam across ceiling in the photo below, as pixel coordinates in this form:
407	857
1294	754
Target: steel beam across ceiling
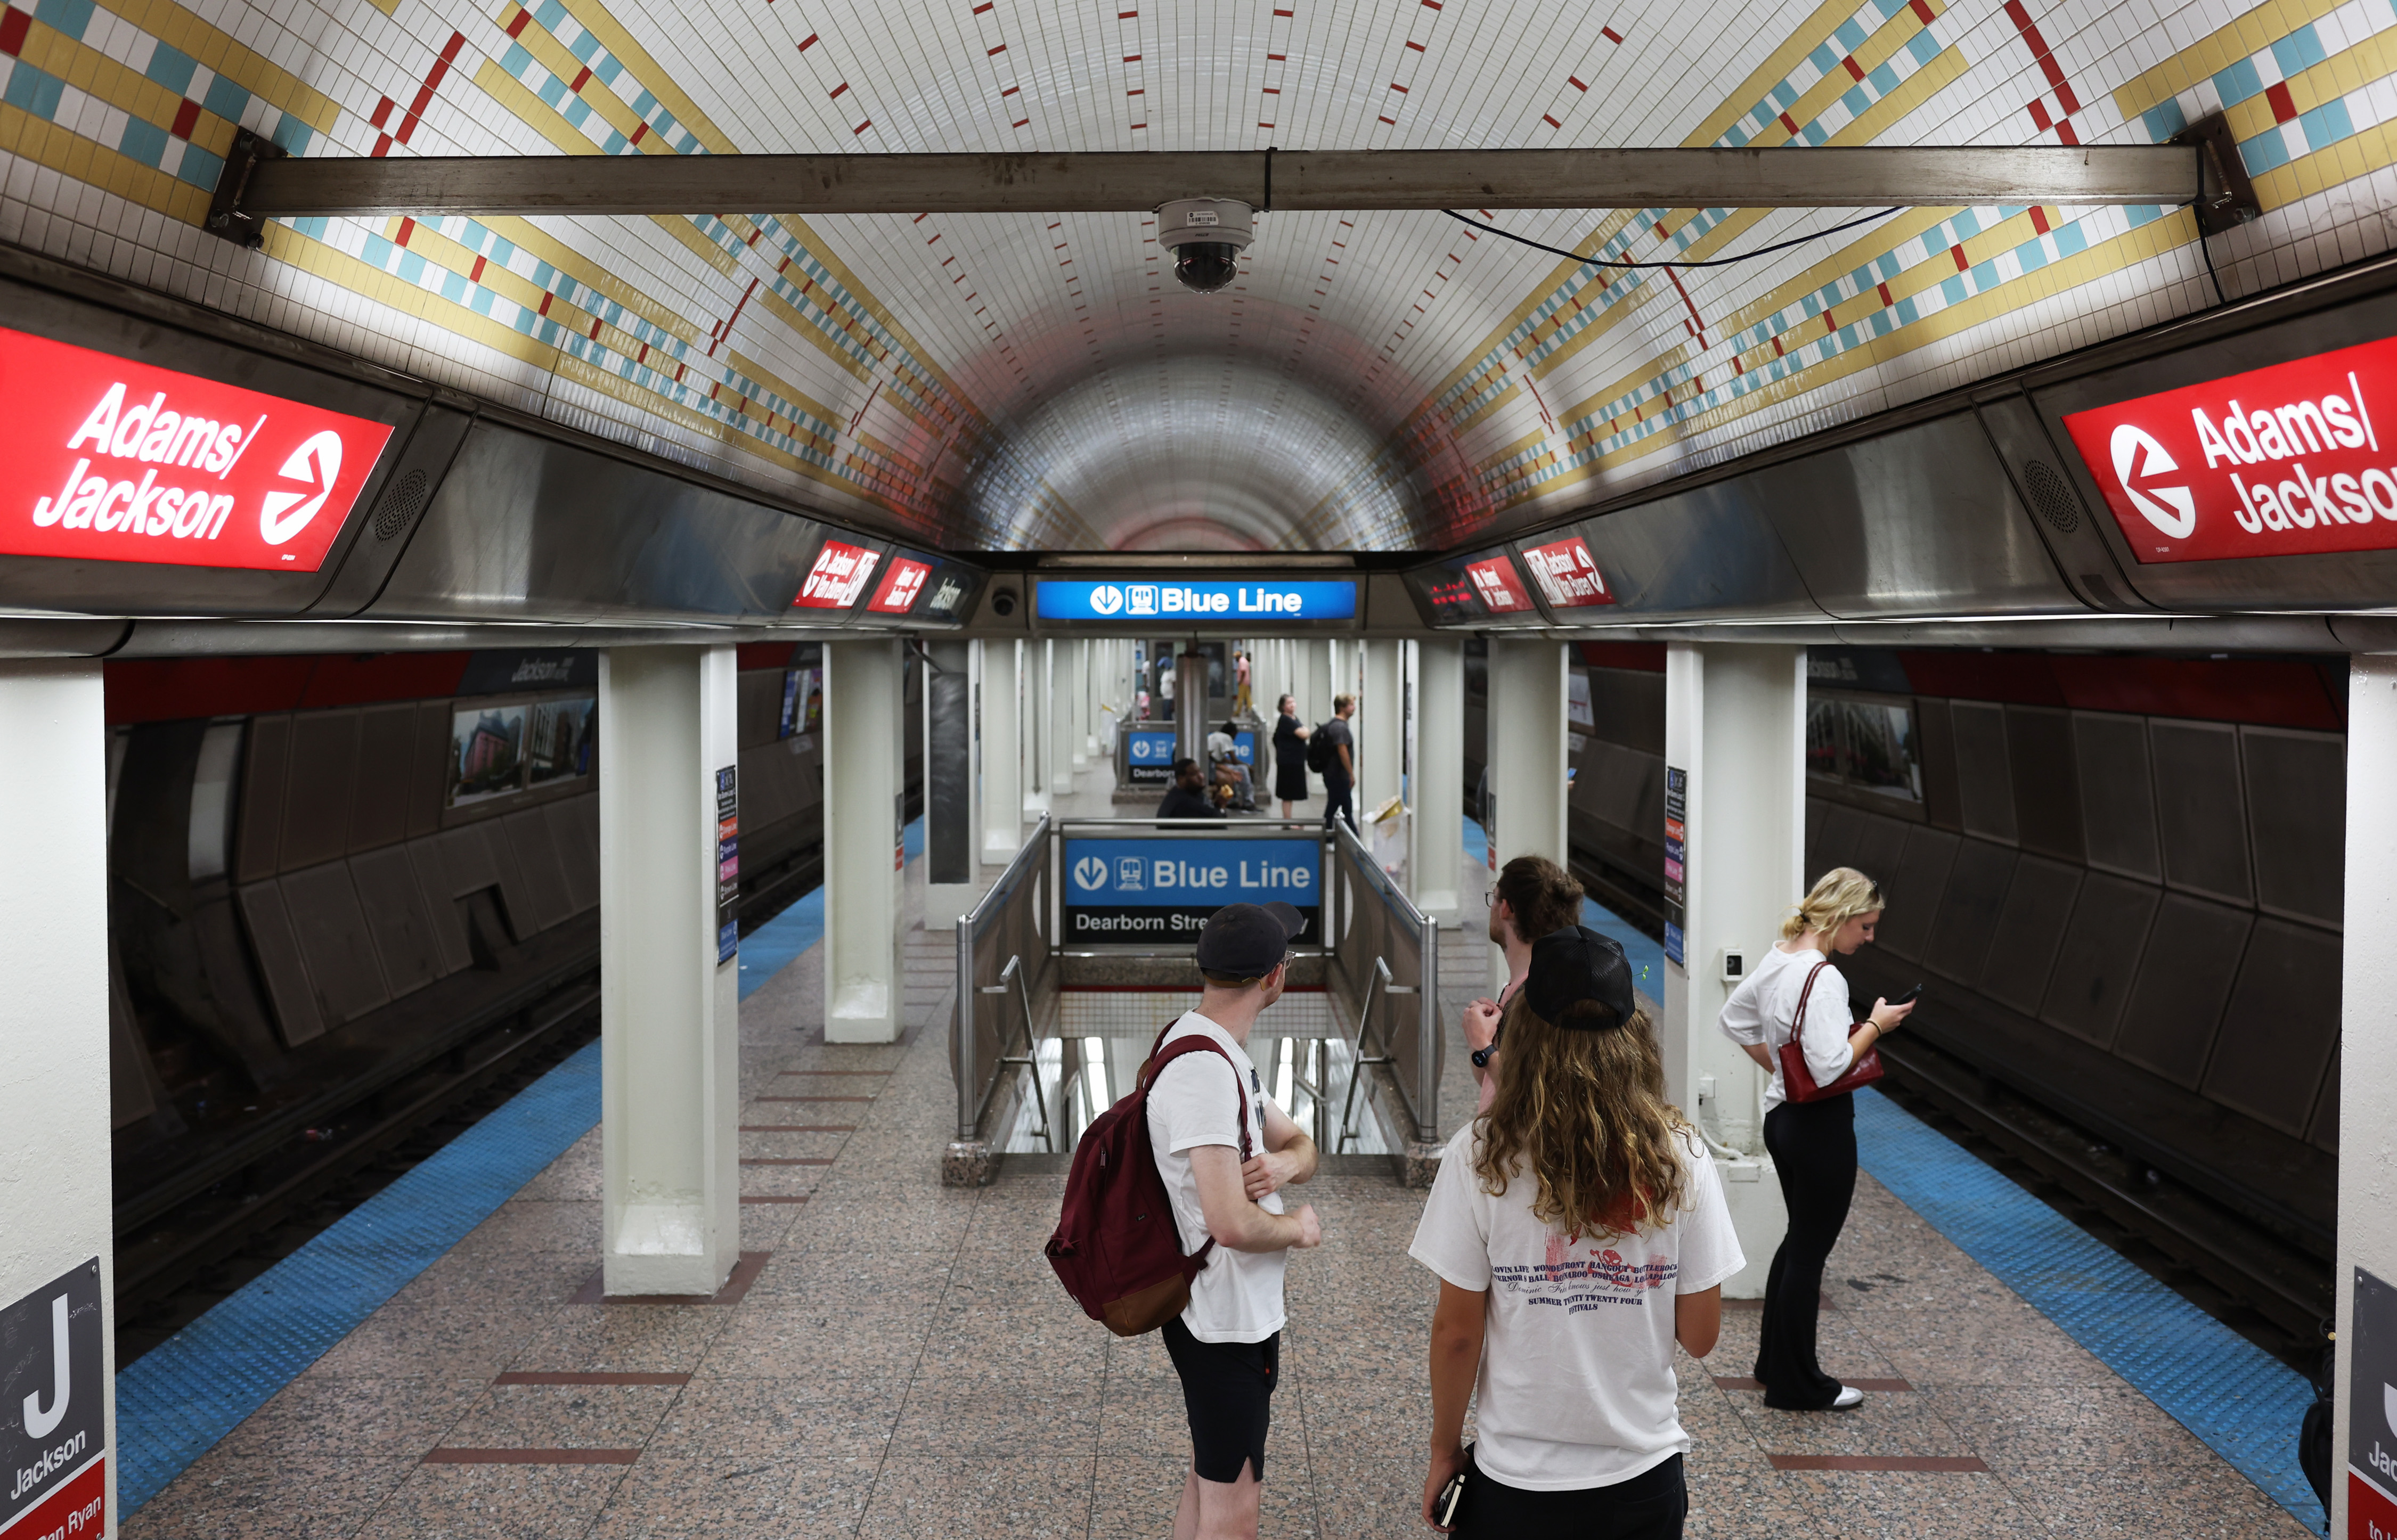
1861	177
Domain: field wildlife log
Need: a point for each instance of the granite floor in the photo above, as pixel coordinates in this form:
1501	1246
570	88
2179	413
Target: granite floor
895	1358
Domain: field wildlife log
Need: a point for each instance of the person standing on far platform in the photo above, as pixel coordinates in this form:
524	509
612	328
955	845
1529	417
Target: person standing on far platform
1813	1143
1289	755
1579	1230
1340	762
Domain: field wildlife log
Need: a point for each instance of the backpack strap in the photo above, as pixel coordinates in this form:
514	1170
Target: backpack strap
1198	1042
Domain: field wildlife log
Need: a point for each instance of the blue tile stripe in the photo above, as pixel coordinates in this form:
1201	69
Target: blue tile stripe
2242	1402
191	1390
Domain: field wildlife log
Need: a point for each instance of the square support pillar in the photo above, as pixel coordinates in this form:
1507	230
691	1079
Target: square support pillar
1037	742
1438	831
952	811
669	990
1085	686
1735	731
864	801
2368	1068
1058	727
55	1196
1381	725
998	720
1526	735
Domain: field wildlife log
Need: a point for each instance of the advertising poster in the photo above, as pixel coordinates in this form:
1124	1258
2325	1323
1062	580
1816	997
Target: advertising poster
1676	859
564	735
1164	889
486	754
727	864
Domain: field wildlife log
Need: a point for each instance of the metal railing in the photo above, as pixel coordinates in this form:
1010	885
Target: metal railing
1385	970
1009	936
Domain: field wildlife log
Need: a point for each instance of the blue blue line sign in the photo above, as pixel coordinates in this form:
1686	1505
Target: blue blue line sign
1074	599
1164	889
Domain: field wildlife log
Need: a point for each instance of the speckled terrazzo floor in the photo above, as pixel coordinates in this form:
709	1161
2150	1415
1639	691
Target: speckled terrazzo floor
904	1364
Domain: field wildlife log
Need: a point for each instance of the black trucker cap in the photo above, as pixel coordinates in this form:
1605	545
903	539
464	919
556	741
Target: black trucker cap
1574	964
1248	940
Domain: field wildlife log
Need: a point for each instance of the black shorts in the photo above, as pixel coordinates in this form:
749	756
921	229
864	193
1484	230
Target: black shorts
1650	1506
1227	1387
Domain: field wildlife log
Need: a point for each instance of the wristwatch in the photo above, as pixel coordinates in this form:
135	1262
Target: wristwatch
1481	1057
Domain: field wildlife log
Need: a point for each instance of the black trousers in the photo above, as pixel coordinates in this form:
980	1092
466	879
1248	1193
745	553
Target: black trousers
1813	1150
1337	795
1649	1507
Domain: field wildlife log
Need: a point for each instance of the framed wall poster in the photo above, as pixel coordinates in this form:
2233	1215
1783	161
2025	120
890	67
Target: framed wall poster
487	752
563	739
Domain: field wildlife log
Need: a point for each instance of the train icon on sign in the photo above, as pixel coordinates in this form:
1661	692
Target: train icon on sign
1091	871
1128	873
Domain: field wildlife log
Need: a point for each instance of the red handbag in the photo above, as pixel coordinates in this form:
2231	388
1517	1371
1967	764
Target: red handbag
1798	1082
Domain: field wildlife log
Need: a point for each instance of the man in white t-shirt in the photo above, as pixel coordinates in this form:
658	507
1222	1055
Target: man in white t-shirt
1225	1181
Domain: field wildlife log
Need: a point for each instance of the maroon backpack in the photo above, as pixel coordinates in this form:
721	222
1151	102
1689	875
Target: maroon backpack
1117	1249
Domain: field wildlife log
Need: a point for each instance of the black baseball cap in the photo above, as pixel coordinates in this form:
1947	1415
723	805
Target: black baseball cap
1248	940
1574	964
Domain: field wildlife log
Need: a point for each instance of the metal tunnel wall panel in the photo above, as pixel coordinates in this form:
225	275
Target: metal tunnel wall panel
2118	802
343	966
1985	788
266	764
1920	876
2191	960
399	920
2296	809
2029	932
2199	808
387	763
267	920
1976	890
2047	806
323	767
2100	957
2280	1027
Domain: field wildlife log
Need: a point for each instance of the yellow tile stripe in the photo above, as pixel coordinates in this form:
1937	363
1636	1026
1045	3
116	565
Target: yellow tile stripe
2252	33
72	155
177	28
87	70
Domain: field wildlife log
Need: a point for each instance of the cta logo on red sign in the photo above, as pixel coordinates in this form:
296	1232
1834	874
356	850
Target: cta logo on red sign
839	577
1502	592
1567	574
899	588
111	461
2276	463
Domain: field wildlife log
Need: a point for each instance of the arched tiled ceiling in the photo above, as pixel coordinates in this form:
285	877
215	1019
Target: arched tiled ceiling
1376	381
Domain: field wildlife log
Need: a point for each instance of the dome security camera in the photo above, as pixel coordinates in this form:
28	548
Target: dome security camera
1002	602
1206	236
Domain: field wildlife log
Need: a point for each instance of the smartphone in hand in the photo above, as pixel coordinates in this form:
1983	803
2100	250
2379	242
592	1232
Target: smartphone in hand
1909	997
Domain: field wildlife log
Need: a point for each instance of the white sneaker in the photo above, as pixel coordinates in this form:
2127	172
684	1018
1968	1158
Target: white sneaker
1848	1396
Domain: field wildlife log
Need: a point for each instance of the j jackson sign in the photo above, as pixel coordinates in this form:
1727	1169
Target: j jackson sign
53	1425
111	461
2281	461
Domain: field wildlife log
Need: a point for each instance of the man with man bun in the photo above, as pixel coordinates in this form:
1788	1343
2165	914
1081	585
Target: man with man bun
1533	898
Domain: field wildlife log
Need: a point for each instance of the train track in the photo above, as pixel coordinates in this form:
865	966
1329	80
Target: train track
2275	1295
180	1252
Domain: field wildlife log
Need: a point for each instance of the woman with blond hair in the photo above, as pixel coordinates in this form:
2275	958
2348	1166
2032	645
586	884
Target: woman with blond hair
1813	1143
1579	1230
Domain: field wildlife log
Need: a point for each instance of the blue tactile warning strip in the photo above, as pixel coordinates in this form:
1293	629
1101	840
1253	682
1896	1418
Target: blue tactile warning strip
2241	1402
778	943
197	1385
1646	957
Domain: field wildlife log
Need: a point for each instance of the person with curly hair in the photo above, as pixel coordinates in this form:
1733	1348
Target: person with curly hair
1579	1230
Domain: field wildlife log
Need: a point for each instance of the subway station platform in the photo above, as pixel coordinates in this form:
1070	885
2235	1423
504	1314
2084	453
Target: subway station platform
894	1358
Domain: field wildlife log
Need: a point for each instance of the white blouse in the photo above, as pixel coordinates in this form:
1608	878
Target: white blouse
1761	1010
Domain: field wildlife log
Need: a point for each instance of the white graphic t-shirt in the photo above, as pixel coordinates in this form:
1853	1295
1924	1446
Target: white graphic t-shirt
1577	1386
1237	1297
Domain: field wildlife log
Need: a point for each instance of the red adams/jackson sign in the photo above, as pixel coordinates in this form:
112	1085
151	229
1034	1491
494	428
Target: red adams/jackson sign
901	586
837	577
109	460
1502	592
2281	461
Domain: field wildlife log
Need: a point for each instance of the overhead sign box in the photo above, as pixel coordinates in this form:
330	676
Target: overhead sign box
1482	589
2279	462
1567	574
1274	601
1164	889
837	577
109	460
903	584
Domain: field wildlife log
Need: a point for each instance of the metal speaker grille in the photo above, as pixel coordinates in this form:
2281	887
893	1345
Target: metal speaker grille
400	506
2053	497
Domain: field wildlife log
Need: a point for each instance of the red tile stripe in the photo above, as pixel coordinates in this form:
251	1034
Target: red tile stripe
532	1457
1956	1463
522	1377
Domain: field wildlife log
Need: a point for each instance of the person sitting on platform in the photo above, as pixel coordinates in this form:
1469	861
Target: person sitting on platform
1187	798
1223	755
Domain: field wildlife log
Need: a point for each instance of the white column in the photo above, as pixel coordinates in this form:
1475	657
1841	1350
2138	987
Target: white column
1039	738
1314	690
1735	724
669	990
1058	729
952	807
54	1065
1085	684
998	715
2367	1060
1436	861
1381	725
1527	758
865	752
